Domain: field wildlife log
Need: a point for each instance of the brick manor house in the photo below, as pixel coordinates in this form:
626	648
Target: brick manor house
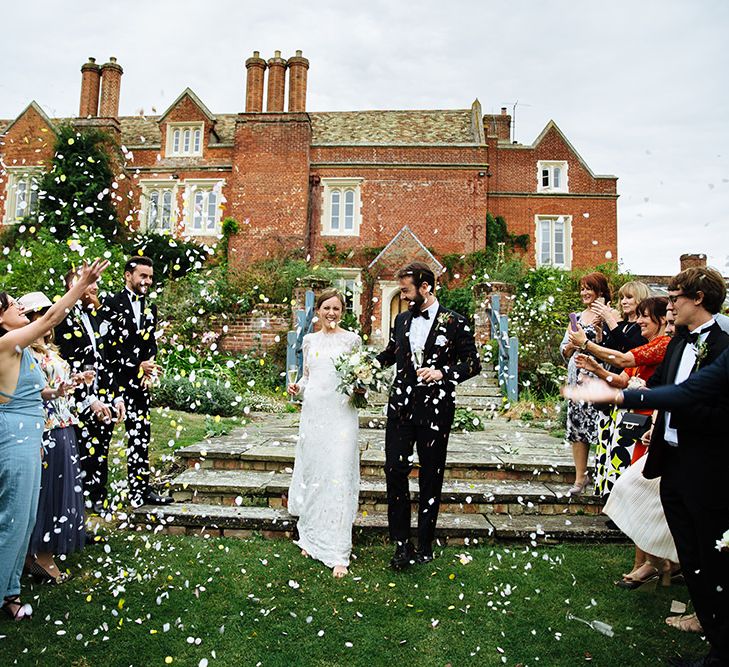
405	183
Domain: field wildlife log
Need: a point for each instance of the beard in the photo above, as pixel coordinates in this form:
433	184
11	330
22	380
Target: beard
417	303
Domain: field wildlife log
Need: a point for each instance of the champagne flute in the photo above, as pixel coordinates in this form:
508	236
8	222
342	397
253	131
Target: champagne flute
418	353
89	374
292	374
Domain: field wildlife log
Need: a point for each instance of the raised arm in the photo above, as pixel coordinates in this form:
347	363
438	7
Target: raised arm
21	338
606	354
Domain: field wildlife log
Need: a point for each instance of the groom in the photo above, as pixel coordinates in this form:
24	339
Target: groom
434	350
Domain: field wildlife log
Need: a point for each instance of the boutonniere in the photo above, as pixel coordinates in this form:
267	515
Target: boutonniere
444	318
701	350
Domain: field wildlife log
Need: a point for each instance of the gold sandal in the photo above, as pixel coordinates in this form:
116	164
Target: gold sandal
685	623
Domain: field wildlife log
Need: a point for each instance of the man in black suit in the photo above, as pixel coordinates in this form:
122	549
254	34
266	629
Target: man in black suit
131	347
434	350
81	343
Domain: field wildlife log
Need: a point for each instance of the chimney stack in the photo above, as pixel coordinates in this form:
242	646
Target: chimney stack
256	68
276	83
111	74
298	68
691	261
90	84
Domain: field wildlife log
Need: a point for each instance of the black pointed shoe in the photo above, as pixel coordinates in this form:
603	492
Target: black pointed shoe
404	556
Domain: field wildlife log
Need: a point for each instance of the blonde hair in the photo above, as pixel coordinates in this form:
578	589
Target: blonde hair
635	288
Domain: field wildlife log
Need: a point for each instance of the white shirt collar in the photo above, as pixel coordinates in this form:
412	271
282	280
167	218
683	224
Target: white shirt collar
432	308
704	327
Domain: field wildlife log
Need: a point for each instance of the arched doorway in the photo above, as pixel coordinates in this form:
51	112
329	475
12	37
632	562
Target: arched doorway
397	306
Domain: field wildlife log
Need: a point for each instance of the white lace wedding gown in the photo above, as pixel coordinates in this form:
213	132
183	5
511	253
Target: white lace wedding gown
324	489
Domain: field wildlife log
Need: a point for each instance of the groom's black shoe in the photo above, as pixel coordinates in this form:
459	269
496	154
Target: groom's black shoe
404	556
423	555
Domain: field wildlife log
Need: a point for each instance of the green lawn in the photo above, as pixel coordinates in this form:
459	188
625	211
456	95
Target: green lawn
149	600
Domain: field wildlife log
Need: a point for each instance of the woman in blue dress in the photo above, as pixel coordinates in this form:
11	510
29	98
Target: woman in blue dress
21	431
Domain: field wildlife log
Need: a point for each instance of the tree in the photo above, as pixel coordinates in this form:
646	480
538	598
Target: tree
76	193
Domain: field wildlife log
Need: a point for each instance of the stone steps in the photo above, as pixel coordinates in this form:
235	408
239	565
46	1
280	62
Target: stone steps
243	522
474	456
237	487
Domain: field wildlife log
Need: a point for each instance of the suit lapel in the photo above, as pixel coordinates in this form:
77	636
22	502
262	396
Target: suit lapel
406	335
675	361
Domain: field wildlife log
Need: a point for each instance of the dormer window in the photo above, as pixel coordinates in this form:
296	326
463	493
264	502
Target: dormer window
184	139
552	176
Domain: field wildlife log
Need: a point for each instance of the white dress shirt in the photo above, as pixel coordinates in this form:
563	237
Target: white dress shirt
685	366
136	301
420	329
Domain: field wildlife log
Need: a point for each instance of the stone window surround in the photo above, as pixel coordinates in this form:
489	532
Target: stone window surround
192	186
550	165
351	274
343	185
182	126
567	219
148	186
14	175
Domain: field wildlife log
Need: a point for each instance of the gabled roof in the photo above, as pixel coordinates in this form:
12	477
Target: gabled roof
403	243
36	107
551	125
382	128
196	100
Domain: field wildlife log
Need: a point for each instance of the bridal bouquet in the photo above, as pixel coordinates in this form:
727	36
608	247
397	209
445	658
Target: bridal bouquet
359	373
723	543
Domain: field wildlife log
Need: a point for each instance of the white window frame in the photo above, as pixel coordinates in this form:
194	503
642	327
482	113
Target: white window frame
206	186
342	218
566	220
28	177
555	170
161	187
184	139
350	280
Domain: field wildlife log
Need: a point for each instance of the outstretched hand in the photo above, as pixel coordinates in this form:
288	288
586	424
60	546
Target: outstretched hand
586	362
90	273
593	391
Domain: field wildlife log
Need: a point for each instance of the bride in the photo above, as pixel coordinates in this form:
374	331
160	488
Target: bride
324	491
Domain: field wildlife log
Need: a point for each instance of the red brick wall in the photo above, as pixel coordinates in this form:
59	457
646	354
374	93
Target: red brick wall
257	330
29	142
269	184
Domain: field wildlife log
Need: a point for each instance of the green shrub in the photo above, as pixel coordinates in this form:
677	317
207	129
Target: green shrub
38	262
459	299
76	193
204	395
466	419
172	257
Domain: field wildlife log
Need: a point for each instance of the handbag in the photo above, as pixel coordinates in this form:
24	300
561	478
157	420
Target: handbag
633	426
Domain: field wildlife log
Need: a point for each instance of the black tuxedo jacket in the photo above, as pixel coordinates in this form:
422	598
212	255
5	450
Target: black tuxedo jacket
693	421
450	348
76	348
127	344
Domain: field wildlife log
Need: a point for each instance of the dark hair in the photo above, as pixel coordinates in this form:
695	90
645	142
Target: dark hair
70	275
4	304
330	293
701	279
598	283
419	272
134	262
654	307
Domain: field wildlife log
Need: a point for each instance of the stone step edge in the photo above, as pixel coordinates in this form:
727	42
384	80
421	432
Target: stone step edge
242	522
375	487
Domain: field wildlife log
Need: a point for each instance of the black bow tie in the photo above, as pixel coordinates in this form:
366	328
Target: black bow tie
692	338
421	313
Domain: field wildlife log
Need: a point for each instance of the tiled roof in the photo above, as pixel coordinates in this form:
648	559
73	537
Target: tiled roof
393	127
333	128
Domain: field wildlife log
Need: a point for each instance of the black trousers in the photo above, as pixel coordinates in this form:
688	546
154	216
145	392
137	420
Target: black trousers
93	438
695	498
137	402
401	437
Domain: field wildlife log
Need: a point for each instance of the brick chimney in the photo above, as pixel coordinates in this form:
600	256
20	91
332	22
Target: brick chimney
111	74
298	68
276	83
90	84
691	261
256	69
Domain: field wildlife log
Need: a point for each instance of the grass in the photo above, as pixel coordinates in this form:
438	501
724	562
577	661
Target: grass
151	599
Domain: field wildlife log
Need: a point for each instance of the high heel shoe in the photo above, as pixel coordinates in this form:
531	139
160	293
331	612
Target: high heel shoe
578	488
23	612
646	585
39	572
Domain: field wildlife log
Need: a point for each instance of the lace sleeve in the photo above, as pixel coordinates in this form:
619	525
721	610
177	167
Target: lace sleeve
305	354
651	354
356	342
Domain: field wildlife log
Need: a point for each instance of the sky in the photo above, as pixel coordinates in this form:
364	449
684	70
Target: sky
639	88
